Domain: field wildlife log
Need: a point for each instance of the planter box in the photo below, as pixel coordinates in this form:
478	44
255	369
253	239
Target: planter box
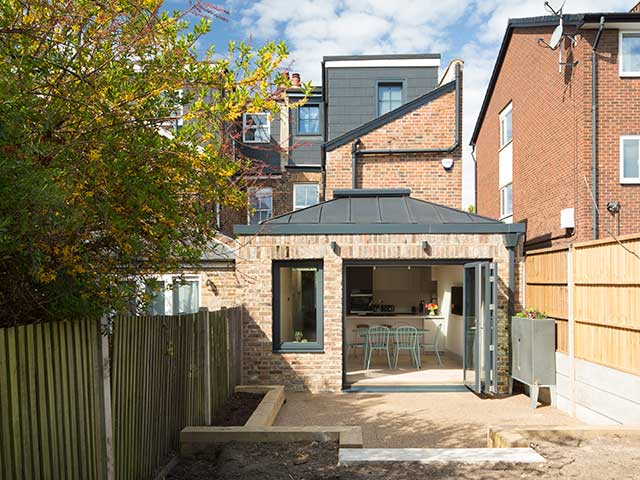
533	350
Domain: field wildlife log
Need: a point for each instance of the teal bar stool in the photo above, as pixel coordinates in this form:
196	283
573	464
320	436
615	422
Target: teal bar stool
435	344
360	342
407	339
377	339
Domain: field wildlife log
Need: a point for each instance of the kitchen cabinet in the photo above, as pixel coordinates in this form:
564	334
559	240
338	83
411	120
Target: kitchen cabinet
416	279
360	279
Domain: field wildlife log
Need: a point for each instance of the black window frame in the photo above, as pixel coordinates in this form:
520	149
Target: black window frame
305	134
388	82
295	347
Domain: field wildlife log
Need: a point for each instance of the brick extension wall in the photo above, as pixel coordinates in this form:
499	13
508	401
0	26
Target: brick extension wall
323	371
429	126
552	137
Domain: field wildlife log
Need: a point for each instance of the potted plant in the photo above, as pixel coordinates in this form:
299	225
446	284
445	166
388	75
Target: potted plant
531	313
432	307
299	337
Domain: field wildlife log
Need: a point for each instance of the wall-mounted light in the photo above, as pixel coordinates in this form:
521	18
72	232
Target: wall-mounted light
334	247
447	163
426	247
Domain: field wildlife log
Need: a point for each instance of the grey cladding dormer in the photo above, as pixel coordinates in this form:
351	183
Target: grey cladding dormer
305	150
352	92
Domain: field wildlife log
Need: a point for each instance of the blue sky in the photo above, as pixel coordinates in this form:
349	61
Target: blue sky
468	29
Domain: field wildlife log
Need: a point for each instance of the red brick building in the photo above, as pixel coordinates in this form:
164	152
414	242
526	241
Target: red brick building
536	158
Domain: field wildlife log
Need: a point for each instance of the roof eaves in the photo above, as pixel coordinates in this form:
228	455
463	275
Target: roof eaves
379	228
390	116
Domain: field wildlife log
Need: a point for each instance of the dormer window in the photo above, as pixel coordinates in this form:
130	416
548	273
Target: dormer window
256	128
389	96
309	119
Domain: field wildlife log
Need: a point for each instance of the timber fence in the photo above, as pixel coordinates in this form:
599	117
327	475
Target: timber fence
75	403
592	289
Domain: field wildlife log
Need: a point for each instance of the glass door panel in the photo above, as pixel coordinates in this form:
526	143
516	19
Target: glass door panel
470	315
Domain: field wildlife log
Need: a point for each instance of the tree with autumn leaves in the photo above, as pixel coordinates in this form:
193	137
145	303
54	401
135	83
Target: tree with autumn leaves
96	185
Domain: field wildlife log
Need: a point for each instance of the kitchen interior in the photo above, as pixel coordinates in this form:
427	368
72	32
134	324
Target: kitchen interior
401	295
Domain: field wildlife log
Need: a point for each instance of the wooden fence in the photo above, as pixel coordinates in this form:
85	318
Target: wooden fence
596	286
165	373
51	422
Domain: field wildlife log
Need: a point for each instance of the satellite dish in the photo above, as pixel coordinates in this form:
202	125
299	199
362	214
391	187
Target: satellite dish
556	36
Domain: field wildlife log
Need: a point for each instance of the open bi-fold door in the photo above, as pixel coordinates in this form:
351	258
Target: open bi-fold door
480	313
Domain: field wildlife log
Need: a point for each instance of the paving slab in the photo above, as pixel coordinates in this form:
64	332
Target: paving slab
349	456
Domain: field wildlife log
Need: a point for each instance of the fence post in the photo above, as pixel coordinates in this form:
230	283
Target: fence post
103	393
571	332
205	315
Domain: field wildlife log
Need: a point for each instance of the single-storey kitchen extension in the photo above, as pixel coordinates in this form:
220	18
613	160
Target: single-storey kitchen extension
313	280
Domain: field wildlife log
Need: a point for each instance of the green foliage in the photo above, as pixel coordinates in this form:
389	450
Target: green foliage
531	313
471	209
92	193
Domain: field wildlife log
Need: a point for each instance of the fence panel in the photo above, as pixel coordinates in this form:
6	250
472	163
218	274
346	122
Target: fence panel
607	302
160	366
546	288
606	298
51	421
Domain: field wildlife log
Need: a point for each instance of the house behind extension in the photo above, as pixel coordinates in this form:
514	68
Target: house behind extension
307	152
557	147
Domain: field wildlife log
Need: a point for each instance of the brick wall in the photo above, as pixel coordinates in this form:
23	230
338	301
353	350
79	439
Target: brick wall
429	126
323	371
219	288
545	131
552	137
282	186
618	114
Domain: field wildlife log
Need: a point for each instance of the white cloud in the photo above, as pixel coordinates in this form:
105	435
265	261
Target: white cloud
467	29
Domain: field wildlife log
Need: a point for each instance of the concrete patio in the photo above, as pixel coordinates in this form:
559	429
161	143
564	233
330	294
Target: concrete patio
417	420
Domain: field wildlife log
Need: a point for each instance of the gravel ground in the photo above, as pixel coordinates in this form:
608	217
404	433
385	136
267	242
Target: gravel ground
601	458
420	420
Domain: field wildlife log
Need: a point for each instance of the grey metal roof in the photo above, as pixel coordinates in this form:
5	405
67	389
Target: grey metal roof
377	211
217	251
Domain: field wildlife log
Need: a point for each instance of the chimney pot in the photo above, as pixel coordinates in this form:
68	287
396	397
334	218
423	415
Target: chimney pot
295	79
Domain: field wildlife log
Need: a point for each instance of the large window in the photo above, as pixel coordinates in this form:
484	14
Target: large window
630	159
305	195
256	128
186	295
629	57
506	130
389	96
157	302
260	205
297	306
174	295
506	201
309	119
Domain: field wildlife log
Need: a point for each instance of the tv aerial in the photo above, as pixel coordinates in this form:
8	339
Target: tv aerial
557	36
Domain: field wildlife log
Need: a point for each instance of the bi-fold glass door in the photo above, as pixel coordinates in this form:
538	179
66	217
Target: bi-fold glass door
480	327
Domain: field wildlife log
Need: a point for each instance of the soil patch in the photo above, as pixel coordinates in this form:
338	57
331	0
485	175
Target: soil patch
605	458
237	409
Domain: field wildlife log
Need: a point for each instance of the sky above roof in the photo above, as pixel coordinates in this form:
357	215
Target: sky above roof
467	29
